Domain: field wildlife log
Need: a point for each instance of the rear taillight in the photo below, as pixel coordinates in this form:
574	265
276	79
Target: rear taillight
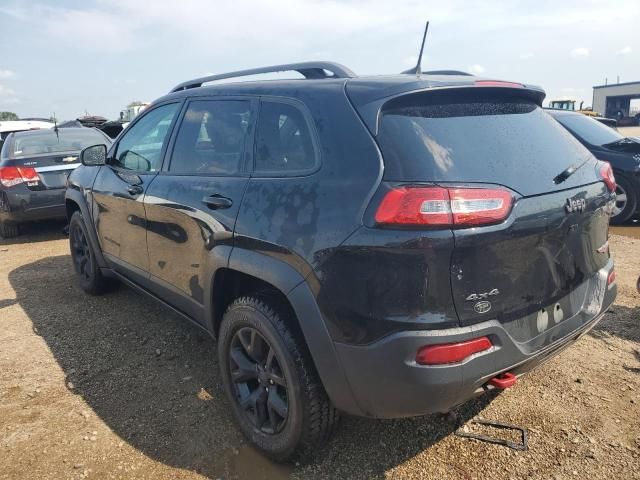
451	352
10	176
437	206
612	278
606	172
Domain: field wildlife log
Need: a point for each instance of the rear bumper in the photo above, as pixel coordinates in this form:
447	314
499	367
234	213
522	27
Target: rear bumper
19	204
387	383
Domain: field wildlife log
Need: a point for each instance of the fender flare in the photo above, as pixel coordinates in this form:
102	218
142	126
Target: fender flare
292	284
77	198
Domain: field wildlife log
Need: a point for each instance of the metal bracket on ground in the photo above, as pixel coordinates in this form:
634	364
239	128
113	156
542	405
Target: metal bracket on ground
523	445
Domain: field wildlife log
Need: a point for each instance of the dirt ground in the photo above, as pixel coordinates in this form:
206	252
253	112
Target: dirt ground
119	387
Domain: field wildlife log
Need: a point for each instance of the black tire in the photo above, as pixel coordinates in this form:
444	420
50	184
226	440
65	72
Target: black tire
624	210
88	273
9	230
310	418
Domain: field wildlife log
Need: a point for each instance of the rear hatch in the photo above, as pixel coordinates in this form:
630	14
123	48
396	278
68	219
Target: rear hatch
552	239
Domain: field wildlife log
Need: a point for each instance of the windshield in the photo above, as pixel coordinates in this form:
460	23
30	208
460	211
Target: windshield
591	131
46	141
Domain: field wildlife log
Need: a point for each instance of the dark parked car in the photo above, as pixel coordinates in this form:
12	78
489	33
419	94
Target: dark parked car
621	152
382	246
34	166
609	122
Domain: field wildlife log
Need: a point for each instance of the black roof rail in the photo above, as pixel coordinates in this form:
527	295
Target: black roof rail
310	70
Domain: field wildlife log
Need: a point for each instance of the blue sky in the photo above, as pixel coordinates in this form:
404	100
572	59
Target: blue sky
72	56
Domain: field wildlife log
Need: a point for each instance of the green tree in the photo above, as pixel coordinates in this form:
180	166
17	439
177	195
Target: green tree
4	116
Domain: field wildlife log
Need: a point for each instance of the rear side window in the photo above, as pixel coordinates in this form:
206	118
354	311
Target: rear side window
211	138
284	143
475	138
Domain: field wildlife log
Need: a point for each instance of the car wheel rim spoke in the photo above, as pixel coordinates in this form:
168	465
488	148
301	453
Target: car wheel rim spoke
277	404
246	368
621	200
257	379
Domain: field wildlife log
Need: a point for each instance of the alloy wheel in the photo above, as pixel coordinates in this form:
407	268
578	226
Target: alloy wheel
258	381
621	200
80	252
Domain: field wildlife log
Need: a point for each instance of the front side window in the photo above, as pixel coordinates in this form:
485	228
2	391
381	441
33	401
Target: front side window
141	146
284	144
211	138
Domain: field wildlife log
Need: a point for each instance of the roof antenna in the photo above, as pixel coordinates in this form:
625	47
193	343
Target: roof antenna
55	126
417	70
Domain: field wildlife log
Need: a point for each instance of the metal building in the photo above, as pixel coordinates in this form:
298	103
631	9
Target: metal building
614	100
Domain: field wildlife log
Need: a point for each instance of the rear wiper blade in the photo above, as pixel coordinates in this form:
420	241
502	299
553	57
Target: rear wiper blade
567	172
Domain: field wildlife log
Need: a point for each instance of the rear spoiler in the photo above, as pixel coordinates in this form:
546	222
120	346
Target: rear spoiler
370	112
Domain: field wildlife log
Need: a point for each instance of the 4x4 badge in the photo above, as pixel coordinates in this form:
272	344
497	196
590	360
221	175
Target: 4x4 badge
480	296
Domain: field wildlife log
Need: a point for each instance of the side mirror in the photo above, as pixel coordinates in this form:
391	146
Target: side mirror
94	156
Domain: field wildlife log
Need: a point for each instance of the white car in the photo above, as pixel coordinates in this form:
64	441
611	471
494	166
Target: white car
10	126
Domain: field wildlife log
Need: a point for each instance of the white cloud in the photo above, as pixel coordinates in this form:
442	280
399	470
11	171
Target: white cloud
625	51
5	74
580	52
90	29
6	91
160	45
118	25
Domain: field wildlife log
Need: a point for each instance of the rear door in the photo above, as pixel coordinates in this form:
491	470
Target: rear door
551	243
192	205
120	187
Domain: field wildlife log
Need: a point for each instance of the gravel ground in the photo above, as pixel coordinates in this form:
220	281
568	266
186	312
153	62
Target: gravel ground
119	387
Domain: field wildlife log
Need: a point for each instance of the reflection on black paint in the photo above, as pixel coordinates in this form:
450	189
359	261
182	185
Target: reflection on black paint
171	231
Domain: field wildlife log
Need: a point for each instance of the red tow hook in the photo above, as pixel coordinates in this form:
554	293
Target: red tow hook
504	380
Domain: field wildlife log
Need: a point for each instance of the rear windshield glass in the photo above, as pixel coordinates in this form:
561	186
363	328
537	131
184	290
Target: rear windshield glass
591	131
432	137
48	141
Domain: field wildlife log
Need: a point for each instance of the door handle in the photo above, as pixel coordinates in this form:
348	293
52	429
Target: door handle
135	189
215	202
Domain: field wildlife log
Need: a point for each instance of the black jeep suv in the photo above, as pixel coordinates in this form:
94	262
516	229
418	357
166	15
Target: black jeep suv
381	246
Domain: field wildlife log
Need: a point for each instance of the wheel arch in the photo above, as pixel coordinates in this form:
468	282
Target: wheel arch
253	273
75	202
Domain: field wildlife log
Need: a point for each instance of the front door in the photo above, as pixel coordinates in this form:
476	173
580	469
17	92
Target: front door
193	204
120	188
